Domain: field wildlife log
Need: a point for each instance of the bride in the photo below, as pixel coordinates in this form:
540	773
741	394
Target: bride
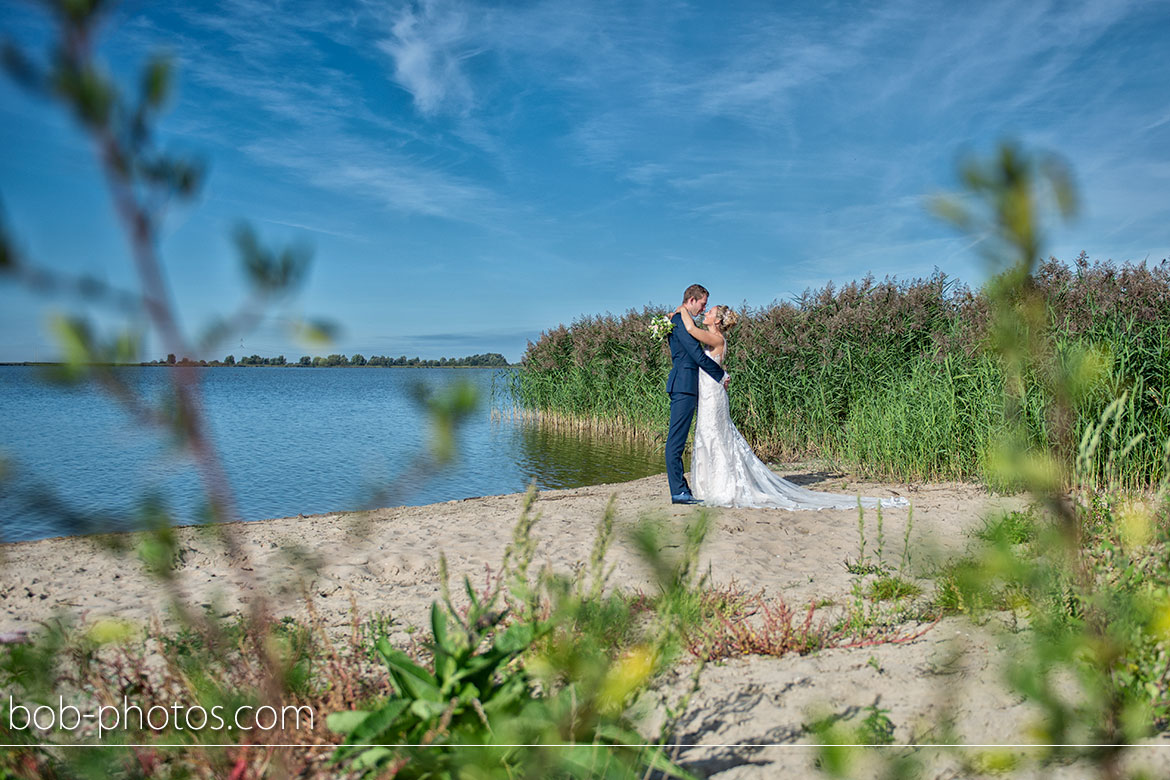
724	470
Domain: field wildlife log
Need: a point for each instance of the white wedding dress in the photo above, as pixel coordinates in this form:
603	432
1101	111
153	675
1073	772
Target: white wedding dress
725	471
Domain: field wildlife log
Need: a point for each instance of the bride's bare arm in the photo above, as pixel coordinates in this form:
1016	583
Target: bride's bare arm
708	337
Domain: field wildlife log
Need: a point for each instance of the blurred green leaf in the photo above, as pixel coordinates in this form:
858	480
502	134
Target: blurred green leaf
670	557
188	177
950	209
79	12
271	272
315	332
345	722
1005	200
218	330
127	348
21	69
76	343
109	630
7	253
447	408
156	82
90	94
371	758
92	287
1060	178
181	176
158	547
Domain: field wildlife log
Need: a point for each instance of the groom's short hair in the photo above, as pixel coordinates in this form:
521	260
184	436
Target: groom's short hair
696	292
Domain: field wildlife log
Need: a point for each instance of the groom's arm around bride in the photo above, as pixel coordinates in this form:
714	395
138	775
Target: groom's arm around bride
693	350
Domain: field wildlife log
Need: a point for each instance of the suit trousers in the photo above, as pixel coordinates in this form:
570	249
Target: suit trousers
682	411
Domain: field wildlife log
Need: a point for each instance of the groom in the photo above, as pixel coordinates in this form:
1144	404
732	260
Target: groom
687	357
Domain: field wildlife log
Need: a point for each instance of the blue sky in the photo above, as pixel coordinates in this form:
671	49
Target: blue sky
472	174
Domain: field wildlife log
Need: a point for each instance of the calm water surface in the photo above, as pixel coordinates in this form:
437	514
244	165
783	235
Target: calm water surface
295	441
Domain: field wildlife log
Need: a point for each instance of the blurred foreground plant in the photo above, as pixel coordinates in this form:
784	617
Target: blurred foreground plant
143	181
1090	615
244	662
1086	569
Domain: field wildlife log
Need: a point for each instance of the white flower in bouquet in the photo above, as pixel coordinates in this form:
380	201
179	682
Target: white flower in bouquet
661	326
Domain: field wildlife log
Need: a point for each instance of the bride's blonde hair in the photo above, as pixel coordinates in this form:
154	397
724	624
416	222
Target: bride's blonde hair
726	318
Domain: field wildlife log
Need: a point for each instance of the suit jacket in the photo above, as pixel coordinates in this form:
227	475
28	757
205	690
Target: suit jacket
687	357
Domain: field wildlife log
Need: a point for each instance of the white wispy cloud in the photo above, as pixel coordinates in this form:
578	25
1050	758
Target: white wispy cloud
428	45
279	99
357	171
311	228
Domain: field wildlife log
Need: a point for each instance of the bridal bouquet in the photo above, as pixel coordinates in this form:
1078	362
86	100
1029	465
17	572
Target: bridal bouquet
661	326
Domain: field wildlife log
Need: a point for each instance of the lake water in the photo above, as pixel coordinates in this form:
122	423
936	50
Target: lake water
294	441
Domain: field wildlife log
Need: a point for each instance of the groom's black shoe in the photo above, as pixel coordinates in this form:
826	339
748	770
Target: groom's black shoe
684	498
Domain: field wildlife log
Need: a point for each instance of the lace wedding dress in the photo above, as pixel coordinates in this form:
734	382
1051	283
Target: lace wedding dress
725	471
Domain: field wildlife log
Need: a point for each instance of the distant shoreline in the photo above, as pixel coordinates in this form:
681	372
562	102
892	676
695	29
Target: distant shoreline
334	360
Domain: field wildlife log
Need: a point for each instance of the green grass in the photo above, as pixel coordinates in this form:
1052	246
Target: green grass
1012	528
892	588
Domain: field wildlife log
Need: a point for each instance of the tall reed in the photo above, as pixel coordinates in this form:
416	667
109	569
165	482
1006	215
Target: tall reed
894	378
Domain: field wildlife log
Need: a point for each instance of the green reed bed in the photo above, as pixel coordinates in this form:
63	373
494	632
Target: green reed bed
893	378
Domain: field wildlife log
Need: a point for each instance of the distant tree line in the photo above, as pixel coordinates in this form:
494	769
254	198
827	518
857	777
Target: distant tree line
488	360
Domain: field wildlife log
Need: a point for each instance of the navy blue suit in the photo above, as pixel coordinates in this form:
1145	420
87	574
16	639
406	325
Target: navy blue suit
687	357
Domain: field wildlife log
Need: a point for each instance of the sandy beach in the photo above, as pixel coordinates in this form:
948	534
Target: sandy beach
747	720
